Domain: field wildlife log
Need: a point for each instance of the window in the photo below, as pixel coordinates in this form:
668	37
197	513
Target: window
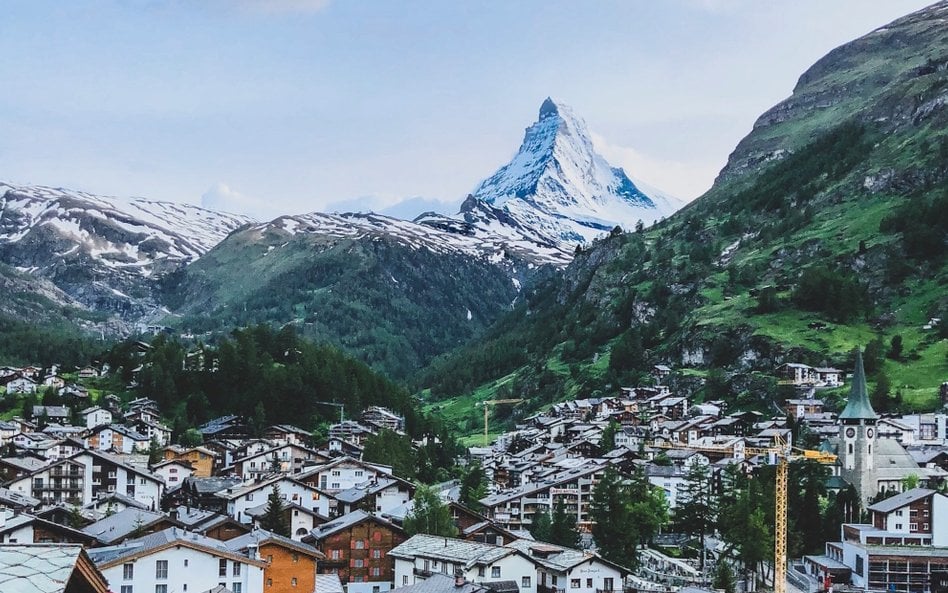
589	583
335	473
250	497
574	584
270	558
126	589
269	582
525	583
161	588
161	569
376	571
296	557
404	580
495	572
554	579
222	568
434	565
898	526
376	589
236	569
236	587
376	554
128	572
335	554
360	545
898	513
335	485
358	563
293	581
185	562
480	571
913	526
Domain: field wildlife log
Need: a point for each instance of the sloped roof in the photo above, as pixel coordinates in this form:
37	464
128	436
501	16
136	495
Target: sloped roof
451	550
858	406
29	568
118	526
900	500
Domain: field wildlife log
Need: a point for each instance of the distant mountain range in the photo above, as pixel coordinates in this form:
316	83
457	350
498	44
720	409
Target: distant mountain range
131	262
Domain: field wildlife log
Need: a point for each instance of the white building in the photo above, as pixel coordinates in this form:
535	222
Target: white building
423	555
96	416
252	494
565	569
176	561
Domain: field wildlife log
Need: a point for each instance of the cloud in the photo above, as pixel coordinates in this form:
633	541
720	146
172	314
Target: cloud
394	206
223	198
683	180
284	6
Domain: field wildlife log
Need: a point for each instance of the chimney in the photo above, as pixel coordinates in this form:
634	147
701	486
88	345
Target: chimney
459	580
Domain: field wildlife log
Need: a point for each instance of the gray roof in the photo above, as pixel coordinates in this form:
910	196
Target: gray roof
118	526
212	485
858	406
451	550
17	499
37	568
259	536
154	540
900	500
557	557
345	522
328	583
439	583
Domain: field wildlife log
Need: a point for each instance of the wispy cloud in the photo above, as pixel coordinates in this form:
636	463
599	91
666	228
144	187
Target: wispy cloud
223	198
684	180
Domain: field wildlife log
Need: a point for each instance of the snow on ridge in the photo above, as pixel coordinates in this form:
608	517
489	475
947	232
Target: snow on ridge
141	232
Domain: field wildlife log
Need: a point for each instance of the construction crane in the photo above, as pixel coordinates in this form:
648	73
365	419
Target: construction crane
782	453
493	402
342	409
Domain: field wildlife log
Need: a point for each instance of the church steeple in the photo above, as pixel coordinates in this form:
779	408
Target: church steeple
858	406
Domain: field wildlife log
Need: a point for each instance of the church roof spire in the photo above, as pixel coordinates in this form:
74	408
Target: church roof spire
858	406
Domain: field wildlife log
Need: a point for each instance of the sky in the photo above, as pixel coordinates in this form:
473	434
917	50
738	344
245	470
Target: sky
271	107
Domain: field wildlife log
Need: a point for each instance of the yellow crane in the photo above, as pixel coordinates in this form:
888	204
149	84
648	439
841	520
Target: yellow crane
493	402
783	454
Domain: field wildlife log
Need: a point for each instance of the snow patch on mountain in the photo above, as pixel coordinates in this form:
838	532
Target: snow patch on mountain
560	188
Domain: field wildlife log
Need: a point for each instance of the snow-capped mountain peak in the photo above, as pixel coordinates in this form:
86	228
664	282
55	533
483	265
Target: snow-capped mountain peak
558	185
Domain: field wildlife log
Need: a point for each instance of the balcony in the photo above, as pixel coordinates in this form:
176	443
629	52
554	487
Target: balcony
421	572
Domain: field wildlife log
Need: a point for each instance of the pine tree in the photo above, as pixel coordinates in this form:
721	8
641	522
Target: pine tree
608	441
429	515
541	526
695	511
563	530
274	518
724	577
473	486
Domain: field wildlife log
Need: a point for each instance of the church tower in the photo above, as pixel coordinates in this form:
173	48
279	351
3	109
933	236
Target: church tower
857	434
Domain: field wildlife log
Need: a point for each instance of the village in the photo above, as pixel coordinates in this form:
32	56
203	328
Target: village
100	491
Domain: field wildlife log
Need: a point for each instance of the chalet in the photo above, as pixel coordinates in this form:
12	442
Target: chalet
383	418
173	472
351	431
215	525
225	427
344	473
116	437
287	458
153	431
18	384
238	499
828	376
291	565
799	408
96	416
357	547
52	413
87	373
661	372
201	459
558	568
795	373
288	434
157	560
201	492
106	473
300	519
380	494
424	555
50	569
29	529
54	381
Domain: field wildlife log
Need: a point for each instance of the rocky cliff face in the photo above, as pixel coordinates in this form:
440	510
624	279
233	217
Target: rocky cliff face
893	78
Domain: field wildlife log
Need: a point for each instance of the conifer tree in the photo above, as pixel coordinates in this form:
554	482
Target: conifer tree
274	518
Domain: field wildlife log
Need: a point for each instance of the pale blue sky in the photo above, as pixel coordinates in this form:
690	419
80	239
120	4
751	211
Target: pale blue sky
285	106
